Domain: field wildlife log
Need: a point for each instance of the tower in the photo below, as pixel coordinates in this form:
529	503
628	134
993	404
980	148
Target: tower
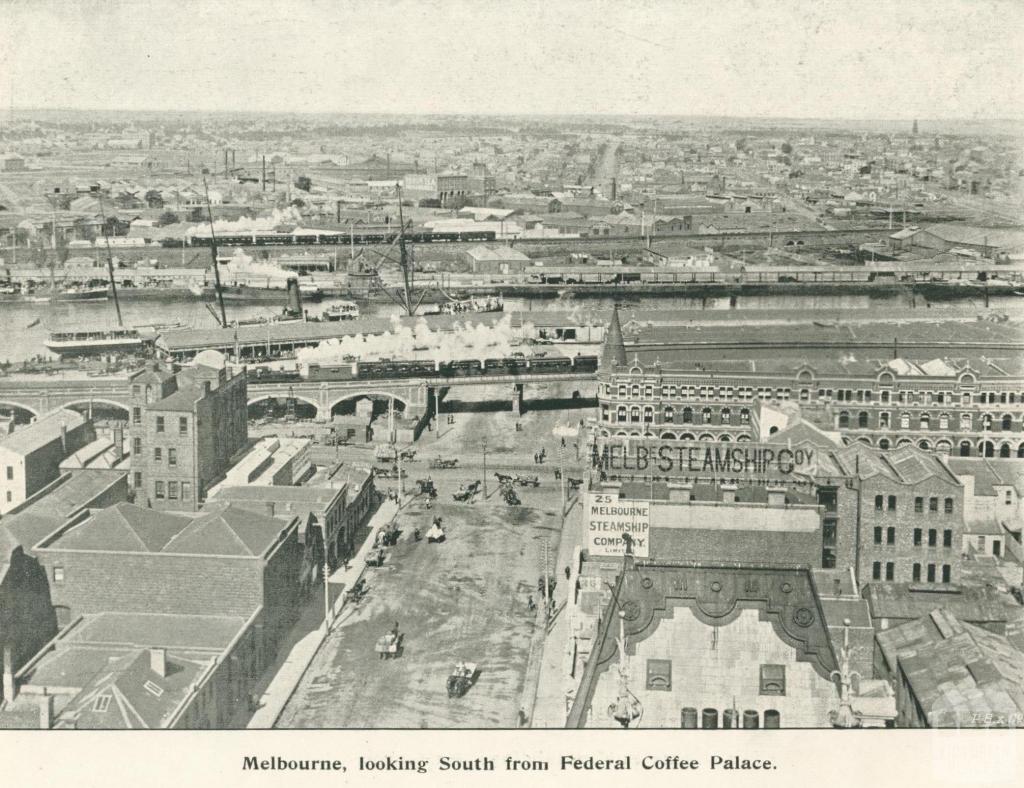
614	350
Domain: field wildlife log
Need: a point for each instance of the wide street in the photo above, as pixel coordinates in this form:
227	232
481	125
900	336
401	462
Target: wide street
466	598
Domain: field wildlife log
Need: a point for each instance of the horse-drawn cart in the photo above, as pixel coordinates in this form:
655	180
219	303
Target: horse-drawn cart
443	464
387	646
461	678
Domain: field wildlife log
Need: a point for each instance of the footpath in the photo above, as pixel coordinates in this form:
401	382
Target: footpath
282	686
547	677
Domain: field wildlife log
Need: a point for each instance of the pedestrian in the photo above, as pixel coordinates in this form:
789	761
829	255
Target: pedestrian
530	604
523	719
568	572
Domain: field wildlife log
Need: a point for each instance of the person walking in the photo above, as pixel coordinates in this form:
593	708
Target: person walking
568	572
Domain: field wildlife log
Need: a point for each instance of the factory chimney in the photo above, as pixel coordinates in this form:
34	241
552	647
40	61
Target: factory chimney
614	189
294	298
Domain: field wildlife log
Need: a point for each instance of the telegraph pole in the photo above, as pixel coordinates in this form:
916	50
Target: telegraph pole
327	587
485	468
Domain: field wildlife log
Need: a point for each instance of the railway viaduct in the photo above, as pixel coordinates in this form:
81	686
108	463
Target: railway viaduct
38	394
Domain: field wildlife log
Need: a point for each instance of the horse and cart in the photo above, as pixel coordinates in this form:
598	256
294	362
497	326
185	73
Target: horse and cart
443	464
466	492
462	677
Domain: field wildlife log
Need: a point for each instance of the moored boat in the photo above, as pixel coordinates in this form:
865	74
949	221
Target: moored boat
83	343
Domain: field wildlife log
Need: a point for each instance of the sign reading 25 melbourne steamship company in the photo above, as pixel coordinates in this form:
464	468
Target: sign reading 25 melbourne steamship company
609	522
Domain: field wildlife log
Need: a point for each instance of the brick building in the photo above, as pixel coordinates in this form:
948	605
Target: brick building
962	406
30	457
186	425
128	559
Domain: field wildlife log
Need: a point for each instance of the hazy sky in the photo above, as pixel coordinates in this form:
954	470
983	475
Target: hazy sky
824	59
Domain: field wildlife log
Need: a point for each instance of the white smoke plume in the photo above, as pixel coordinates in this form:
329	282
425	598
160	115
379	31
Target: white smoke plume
467	341
289	215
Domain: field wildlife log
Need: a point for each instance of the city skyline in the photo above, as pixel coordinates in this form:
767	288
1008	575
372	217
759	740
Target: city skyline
829	61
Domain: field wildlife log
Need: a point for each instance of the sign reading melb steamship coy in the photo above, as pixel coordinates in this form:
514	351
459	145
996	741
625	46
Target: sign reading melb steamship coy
610	522
703	459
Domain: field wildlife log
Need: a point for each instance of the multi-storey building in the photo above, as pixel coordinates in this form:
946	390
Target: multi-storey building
963	406
185	428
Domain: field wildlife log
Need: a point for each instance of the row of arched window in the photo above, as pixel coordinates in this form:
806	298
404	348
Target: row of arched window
923	421
671	415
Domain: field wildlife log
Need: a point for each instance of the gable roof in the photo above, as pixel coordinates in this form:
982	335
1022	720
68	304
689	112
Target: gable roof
42	431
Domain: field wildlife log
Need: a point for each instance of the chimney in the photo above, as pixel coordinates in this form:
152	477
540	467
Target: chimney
614	189
118	443
158	661
728	493
777	496
680	493
10	688
64	438
46	712
270	508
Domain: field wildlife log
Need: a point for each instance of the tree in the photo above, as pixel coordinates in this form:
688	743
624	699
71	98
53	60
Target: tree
166	218
154	199
303	183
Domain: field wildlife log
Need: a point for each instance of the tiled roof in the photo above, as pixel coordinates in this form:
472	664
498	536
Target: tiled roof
227	530
909	601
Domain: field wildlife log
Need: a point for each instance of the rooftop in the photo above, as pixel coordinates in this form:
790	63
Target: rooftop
42	431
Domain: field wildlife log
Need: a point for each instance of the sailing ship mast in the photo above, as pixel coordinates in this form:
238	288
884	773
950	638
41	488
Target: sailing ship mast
110	265
213	252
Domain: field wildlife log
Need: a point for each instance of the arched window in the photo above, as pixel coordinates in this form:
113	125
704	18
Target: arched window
1004	450
986	421
634	392
744	416
904	421
965	421
687	415
648	414
620	413
862	420
844	420
943	421
726	415
926	421
1020	451
965	448
923	444
1007	421
883	443
706	415
622	390
670	413
634	414
987	449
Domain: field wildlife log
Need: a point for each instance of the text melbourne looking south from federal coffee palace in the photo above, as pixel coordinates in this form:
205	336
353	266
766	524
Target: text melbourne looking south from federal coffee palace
646	365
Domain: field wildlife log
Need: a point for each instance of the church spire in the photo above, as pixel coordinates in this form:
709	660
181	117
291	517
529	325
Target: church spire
614	350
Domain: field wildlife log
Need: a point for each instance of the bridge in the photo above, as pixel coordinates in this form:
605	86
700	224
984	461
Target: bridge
38	394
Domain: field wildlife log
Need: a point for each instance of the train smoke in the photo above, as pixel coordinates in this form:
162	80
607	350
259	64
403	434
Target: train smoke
466	341
288	216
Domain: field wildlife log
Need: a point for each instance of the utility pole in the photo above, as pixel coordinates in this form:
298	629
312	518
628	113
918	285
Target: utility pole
547	585
485	468
327	586
561	472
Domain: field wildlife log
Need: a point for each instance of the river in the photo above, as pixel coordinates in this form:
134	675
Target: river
23	341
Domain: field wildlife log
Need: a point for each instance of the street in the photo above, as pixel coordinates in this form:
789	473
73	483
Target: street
466	599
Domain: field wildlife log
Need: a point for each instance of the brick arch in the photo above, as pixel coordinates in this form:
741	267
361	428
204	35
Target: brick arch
378	395
18	406
315	405
84	404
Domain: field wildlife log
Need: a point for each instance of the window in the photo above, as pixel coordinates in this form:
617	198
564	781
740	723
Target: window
183	425
890	570
933	537
136	446
876	570
659	674
919	505
904	421
947	573
773	679
138	480
1009	497
917	537
878	534
892	503
135	390
172	456
890	535
58	574
997	548
933	505
917	572
101	704
944	421
931	573
136	415
158	490
862	420
949	506
186	491
10	472
947	538
159	423
878	503
883	419
172	491
153	689
687	415
158	454
965	421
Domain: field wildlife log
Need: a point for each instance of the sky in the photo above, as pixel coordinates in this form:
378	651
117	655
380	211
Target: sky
856	59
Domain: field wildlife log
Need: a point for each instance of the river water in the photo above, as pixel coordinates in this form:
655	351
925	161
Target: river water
22	341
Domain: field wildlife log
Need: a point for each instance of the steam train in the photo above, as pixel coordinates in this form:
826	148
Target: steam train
331	238
390	369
